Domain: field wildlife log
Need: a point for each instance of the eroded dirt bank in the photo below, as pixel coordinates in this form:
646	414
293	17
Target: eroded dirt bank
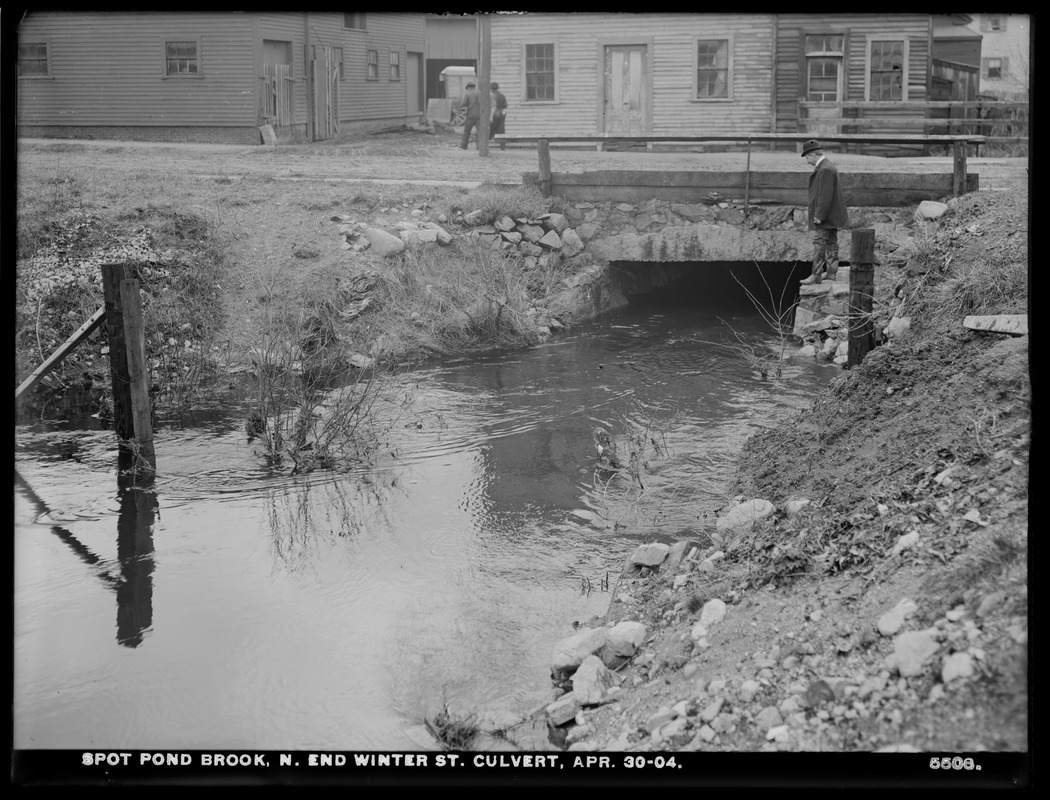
891	611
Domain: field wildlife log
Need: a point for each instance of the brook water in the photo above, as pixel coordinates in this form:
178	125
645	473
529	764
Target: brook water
233	606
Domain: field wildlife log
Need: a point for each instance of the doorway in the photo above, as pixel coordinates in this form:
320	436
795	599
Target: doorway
625	97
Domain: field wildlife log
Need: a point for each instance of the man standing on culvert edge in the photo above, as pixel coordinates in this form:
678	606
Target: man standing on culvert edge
827	212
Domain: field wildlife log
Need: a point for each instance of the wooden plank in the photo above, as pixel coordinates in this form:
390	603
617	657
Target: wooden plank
958	169
138	369
758	178
861	294
123	422
64	350
1016	324
875	122
874	138
885	105
545	168
862	189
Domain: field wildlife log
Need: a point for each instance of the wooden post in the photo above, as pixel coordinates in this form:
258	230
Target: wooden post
747	180
544	149
138	370
127	358
484	79
112	275
959	170
861	293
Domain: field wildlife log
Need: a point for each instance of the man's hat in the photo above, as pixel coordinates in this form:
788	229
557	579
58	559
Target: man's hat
470	84
810	146
494	85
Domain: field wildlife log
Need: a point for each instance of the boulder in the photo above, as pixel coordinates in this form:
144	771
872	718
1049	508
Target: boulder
444	237
625	638
713	611
911	650
416	237
931	209
550	240
532	233
746	514
591	681
897	327
650	555
571	243
383	244
555	222
570	652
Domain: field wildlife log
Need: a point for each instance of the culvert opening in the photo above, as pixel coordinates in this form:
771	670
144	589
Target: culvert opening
710	284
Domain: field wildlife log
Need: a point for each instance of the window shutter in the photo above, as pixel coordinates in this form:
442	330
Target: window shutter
984	67
1006	66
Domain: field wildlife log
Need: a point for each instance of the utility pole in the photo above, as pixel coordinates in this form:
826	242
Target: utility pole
484	79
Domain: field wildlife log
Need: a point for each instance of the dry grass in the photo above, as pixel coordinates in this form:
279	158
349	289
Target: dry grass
453	733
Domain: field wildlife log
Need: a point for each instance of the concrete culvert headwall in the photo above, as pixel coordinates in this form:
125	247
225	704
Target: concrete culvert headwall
736	285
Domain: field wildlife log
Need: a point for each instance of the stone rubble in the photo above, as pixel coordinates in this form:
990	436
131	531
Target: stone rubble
789	695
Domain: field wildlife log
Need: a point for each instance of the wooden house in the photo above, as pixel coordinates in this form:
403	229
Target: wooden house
853	74
1006	55
641	74
690	74
217	76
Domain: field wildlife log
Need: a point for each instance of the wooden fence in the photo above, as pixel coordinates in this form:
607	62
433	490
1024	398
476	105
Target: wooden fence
998	123
958	182
277	95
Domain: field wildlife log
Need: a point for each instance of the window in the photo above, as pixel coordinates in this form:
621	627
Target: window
372	72
539	71
32	59
712	68
180	58
824	59
993	22
995	68
395	65
886	72
354	21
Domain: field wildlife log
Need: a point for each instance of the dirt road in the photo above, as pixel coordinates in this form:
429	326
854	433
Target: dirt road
428	158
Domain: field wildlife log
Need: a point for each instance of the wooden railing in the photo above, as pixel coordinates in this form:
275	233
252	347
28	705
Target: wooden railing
958	144
997	122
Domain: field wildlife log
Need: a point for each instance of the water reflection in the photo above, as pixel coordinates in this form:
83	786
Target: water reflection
130	576
138	514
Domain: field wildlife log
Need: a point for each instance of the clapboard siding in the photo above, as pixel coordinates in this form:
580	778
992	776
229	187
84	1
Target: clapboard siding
362	100
578	38
452	38
107	69
859	29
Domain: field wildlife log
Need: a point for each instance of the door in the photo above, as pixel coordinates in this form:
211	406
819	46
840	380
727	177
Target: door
326	65
414	80
277	82
625	100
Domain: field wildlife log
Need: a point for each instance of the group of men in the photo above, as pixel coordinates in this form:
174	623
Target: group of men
827	204
471	102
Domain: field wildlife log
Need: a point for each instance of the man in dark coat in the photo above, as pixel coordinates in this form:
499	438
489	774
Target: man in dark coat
472	103
827	212
499	114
